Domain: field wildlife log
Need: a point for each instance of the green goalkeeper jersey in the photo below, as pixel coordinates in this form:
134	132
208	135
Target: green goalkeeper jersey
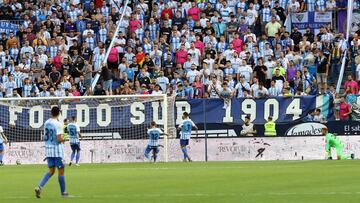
65	131
332	140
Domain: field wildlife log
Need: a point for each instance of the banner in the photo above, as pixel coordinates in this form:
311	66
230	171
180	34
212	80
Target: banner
234	149
95	116
314	20
7	27
355	23
298	128
282	109
99	115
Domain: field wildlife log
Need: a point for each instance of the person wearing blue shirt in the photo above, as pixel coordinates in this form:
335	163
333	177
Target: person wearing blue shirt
3	140
154	134
189	91
185	128
54	152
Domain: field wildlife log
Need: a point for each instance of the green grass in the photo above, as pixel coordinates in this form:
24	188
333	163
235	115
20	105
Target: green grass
260	182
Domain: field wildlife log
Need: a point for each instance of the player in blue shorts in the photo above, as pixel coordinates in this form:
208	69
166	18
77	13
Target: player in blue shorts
3	140
74	132
186	127
147	152
54	152
154	135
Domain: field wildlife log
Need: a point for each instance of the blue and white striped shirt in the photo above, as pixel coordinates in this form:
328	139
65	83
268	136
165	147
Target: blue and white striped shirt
147	48
14	53
27	89
18	78
44	94
310	5
102	35
241	5
186	128
283	4
65	85
1	138
139	34
73	15
320	4
266	14
52	50
52	128
9	87
175	43
74	131
91	42
154	29
221	46
154	136
105	11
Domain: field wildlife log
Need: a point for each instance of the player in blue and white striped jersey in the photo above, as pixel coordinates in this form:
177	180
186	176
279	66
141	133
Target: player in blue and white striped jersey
154	135
54	152
3	140
186	126
74	132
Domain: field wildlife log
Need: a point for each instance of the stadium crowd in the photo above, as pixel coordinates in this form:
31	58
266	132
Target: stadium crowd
202	49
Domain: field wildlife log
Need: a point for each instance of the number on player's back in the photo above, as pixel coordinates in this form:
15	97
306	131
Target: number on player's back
187	127
50	136
72	131
154	134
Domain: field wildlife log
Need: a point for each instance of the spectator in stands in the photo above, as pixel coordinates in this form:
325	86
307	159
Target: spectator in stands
318	117
351	85
321	63
345	109
170	44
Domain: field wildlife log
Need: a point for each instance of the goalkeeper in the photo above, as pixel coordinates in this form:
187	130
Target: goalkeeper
65	129
333	142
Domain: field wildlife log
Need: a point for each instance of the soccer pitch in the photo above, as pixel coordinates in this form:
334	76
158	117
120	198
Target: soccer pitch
257	181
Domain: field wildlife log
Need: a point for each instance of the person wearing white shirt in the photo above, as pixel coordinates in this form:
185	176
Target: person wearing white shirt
294	6
283	61
163	82
330	5
274	91
43	58
203	20
205	73
88	29
342	42
120	41
143	6
270	67
156	55
191	74
249	34
59	92
209	61
241	87
157	90
245	71
248	129
214	88
236	62
26	48
252	15
228	53
254	87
